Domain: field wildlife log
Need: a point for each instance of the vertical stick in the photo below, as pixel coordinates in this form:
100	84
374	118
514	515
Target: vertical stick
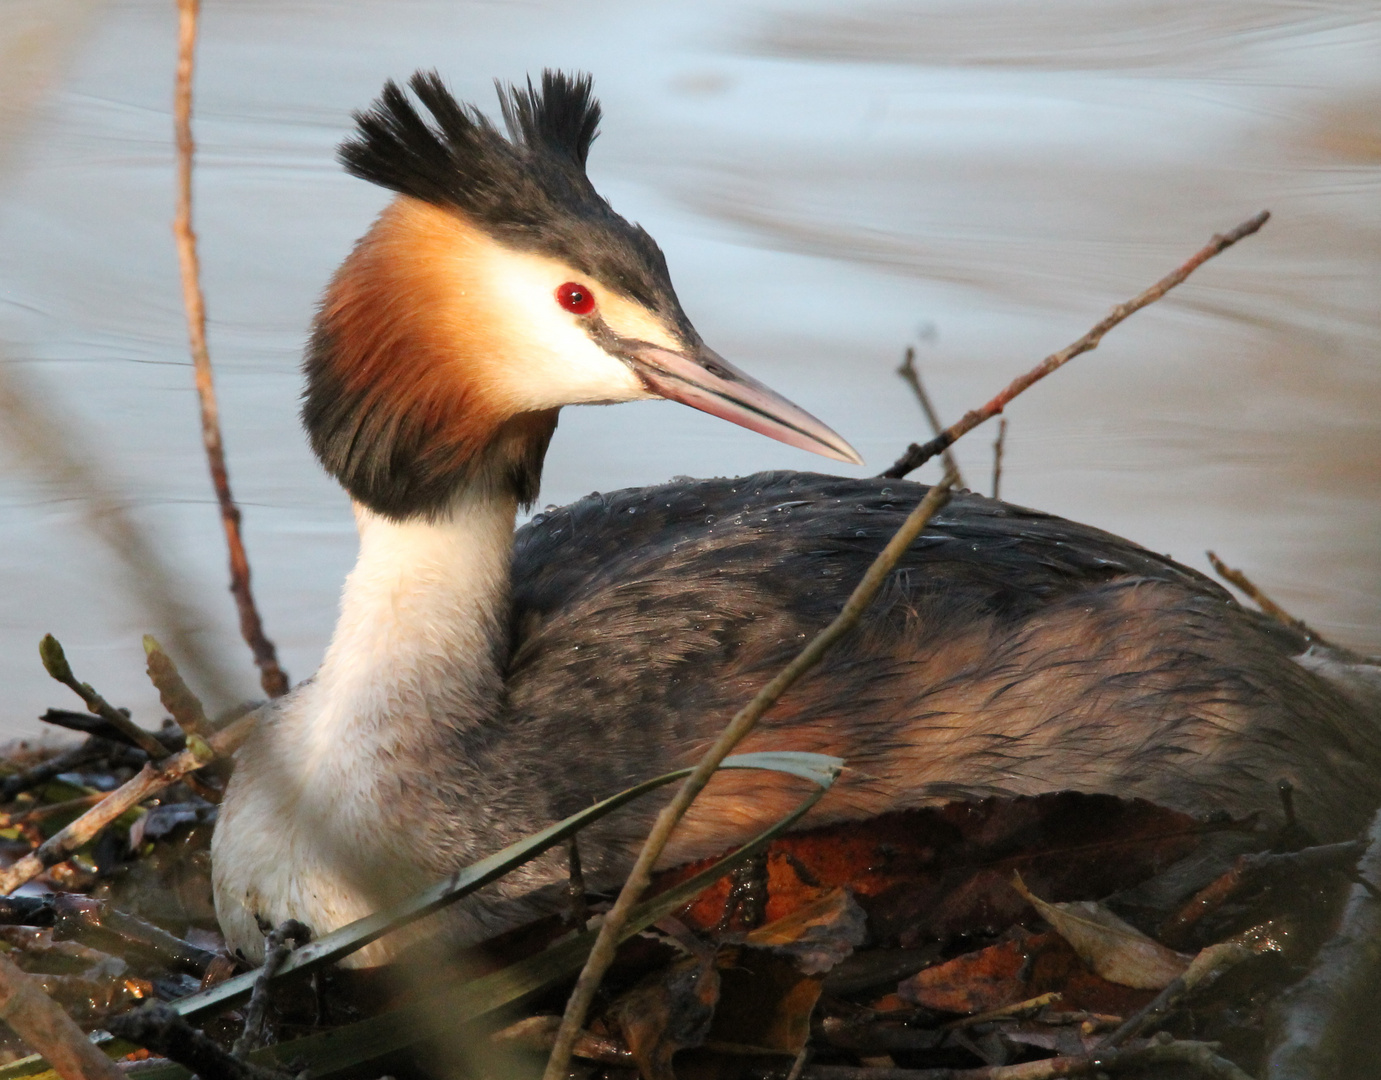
271	676
998	443
912	374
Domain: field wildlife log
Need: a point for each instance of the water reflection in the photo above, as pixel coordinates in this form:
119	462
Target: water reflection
829	182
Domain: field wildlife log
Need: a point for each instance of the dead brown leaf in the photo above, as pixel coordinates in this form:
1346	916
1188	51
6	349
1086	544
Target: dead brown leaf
1112	948
817	936
670	1010
938	872
975	982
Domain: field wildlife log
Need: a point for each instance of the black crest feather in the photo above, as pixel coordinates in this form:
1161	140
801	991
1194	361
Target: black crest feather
528	190
563	118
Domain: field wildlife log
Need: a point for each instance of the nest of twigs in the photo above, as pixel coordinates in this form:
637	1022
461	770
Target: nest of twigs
1061	935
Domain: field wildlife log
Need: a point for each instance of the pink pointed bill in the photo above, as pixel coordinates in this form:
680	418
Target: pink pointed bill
711	384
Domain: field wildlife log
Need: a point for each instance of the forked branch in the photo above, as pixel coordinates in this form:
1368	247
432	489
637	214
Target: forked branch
917	454
912	374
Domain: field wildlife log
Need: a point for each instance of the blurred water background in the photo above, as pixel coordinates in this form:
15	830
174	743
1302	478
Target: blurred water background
830	182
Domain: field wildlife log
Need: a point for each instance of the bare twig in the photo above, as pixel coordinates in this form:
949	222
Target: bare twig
159	1028
38	813
1206	967
277	946
912	374
26	910
271	676
55	663
1020	1008
41	1023
602	953
1261	600
537	1033
998	444
918	455
1148	1014
11	787
55	450
868	1035
122	748
154	777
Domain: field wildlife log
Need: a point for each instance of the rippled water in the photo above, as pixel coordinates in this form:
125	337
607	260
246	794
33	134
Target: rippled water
830	182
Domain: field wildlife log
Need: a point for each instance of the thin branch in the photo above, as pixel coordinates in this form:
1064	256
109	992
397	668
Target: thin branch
1330	1011
41	1022
1152	1012
998	445
38	813
55	663
918	455
11	787
55	451
272	677
602	954
1264	602
536	1034
277	946
912	374
159	1028
153	778
1017	1009
1305	864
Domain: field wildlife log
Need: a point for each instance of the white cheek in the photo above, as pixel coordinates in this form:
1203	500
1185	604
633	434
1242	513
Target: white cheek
567	368
552	361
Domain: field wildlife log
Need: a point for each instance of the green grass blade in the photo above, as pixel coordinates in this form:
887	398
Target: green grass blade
820	769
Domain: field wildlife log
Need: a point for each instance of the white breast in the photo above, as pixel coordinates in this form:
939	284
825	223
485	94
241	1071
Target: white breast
316	823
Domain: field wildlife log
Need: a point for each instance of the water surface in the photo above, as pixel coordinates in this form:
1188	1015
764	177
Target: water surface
830	183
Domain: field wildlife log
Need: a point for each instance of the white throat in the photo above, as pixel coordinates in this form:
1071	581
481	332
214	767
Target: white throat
415	640
366	752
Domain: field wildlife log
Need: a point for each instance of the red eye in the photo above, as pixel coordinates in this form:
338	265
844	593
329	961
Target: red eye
575	298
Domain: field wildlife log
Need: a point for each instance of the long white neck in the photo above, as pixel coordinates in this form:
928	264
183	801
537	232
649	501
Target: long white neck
348	795
415	647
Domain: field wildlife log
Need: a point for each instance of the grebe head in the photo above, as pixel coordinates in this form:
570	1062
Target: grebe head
497	287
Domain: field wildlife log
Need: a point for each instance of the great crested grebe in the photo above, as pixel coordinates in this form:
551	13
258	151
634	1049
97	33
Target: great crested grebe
480	685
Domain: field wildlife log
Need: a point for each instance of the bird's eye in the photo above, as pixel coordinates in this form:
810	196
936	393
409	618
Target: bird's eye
575	298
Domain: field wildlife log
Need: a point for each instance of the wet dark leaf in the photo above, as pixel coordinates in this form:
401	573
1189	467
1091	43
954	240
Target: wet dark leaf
765	1003
666	1012
1016	970
816	936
